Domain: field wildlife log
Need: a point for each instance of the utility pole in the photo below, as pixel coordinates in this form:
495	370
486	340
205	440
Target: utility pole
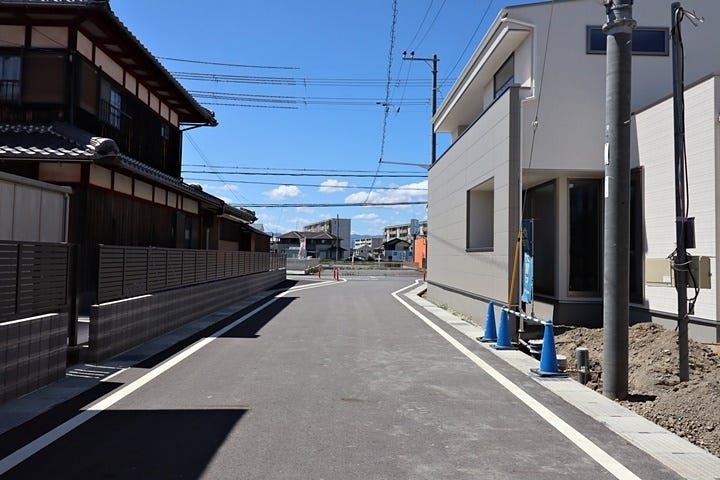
434	60
684	231
616	277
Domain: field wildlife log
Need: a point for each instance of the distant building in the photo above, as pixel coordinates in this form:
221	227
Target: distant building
404	231
370	242
321	245
340	227
397	250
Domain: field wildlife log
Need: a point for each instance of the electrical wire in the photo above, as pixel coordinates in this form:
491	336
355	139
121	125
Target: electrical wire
204	62
417	32
467	45
322	82
276	174
268	169
437	14
319	185
386	104
204	159
536	121
320	205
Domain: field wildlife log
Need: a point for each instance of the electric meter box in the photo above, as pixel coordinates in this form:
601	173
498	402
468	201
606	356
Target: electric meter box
660	272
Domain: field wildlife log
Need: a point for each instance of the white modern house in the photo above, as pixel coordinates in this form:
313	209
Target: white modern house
527	122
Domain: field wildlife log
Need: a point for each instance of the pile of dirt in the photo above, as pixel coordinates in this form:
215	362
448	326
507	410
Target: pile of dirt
690	409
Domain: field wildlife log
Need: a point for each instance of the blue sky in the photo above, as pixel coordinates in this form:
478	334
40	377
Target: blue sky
326	63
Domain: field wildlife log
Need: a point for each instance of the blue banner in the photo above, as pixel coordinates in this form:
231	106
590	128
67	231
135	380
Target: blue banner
527	293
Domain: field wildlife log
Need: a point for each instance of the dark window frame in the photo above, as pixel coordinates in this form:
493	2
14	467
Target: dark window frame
593	48
501	79
10	87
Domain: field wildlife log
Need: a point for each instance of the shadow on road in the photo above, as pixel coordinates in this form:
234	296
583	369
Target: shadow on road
148	444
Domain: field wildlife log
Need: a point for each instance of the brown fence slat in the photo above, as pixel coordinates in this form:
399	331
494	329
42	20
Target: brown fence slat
131	271
8	279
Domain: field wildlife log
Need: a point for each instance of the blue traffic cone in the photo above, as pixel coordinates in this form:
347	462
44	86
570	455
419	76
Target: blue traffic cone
548	356
490	334
503	340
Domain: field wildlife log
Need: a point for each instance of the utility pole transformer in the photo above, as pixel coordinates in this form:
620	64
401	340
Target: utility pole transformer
616	276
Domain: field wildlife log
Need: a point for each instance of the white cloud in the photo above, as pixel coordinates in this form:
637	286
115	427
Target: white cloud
305	210
366	217
331	186
412	192
283	192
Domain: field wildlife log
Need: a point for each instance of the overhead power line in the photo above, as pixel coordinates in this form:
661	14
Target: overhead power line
319	185
289	100
300	81
290	174
271	169
310	205
205	62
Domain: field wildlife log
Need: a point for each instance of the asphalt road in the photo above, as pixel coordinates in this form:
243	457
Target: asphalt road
335	380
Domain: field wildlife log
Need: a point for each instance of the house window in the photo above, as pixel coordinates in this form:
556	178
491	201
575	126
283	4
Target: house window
480	215
504	77
645	41
9	78
585	261
110	105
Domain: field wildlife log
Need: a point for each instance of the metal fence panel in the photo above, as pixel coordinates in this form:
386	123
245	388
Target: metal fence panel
8	279
42	277
132	271
136	274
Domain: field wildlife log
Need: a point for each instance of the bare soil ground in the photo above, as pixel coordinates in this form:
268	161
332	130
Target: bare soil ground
690	409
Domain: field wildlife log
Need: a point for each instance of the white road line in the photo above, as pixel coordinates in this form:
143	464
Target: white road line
53	435
596	453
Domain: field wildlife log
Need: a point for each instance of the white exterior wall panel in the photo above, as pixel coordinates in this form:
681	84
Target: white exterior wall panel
481	155
655	141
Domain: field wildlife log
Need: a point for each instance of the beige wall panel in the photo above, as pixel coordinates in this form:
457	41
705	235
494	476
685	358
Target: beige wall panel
154	103
12	36
160	196
49	37
122	184
100	176
84	46
143	190
172	200
112	69
59	172
190	205
165	111
143	93
130	83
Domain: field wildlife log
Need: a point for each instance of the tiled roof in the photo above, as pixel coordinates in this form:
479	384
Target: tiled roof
42	141
64	142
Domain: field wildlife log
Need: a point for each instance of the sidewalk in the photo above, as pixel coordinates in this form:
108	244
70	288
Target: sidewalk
681	456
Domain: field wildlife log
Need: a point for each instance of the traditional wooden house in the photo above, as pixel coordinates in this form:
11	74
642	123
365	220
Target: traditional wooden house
84	104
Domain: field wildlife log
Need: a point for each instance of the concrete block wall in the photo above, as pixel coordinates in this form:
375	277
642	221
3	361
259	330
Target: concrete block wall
33	353
118	326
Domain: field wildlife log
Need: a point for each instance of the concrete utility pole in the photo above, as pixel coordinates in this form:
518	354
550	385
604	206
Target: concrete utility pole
434	60
616	278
